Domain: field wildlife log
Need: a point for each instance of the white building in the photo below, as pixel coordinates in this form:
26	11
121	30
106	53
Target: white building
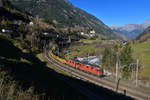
45	33
92	35
92	32
82	33
31	23
6	31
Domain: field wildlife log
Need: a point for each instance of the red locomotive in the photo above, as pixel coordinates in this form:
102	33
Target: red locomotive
87	68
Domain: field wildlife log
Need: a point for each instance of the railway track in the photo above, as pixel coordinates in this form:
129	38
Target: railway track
73	84
110	84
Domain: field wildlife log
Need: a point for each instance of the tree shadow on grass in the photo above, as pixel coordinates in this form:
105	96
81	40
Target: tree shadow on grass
47	81
34	74
8	15
8	50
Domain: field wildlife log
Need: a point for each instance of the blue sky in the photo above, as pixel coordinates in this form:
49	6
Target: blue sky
116	12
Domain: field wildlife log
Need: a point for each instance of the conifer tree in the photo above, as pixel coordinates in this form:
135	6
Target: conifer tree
3	23
126	59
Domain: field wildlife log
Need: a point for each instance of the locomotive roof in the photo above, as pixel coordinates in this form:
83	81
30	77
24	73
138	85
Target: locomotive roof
92	65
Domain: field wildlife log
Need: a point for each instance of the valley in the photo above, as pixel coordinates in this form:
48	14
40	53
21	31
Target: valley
53	49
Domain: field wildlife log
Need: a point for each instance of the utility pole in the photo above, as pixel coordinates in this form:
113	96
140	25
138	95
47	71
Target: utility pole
117	62
137	68
44	46
88	57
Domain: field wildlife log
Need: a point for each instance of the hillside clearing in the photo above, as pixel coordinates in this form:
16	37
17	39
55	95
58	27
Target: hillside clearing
89	47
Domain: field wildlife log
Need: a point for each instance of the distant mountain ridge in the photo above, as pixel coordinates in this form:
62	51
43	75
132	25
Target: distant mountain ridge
63	14
131	30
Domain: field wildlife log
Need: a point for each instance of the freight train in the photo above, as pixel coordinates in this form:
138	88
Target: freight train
95	70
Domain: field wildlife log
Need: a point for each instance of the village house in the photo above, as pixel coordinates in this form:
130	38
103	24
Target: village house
82	33
92	32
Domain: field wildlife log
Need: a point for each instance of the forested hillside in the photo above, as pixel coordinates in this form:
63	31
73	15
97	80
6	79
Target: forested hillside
62	13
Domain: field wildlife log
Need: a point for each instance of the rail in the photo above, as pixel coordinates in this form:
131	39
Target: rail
130	91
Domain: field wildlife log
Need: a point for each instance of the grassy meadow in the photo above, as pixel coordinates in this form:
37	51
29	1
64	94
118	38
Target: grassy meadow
141	51
91	47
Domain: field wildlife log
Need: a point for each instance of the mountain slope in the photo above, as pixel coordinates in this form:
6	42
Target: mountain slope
131	30
62	13
145	36
28	72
